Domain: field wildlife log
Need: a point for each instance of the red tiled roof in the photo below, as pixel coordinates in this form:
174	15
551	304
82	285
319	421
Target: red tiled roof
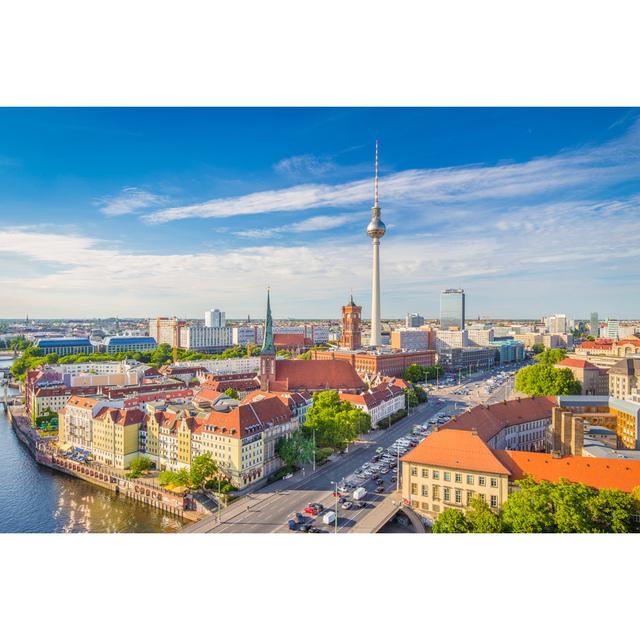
490	419
575	363
291	340
316	375
600	473
455	449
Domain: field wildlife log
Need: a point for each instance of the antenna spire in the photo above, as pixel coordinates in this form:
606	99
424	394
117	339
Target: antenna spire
375	196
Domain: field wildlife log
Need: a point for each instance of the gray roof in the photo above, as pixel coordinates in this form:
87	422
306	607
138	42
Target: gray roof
627	366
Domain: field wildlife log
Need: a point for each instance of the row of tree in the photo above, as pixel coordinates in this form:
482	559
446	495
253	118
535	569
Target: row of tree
546	507
417	373
163	354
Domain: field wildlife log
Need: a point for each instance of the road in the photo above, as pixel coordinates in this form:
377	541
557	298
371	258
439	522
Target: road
266	510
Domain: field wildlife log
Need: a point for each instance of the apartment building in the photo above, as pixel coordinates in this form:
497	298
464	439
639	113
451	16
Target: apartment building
447	340
624	377
593	380
411	340
379	402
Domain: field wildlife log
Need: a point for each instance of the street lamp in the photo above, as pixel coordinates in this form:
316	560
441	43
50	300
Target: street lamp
337	496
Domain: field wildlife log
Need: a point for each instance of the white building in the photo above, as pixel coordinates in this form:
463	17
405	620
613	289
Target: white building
558	323
447	340
228	365
215	318
379	402
247	334
480	337
198	337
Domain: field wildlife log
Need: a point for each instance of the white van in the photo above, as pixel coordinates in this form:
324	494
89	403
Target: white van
359	493
329	517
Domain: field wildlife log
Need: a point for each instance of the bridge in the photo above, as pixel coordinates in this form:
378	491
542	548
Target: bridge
385	512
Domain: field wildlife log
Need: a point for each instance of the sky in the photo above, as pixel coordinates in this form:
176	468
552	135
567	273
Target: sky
138	212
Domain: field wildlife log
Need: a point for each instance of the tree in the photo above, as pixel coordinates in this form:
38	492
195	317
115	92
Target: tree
285	353
412	397
335	422
414	373
232	393
481	518
451	521
421	394
612	511
295	450
203	467
571	512
537	348
529	510
551	356
545	380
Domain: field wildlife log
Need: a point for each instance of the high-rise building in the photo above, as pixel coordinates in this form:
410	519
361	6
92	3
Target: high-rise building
413	320
215	318
612	329
452	309
351	331
558	323
375	230
595	324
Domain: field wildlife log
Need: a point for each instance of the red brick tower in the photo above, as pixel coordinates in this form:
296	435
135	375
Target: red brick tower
351	331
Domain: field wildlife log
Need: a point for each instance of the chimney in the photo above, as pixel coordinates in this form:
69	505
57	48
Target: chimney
474	431
577	436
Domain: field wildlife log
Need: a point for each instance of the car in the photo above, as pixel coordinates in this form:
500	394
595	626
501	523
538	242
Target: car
316	530
297	517
314	508
380	481
379	489
357	471
347	505
304	527
384	470
366	465
359	504
288	476
379	450
338	494
375	476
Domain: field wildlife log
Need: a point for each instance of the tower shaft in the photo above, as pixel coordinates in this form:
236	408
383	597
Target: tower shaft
376	327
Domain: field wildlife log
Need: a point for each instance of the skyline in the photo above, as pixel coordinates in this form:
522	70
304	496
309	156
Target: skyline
145	212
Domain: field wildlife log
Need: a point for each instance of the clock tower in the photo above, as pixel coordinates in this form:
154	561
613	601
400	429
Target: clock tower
351	331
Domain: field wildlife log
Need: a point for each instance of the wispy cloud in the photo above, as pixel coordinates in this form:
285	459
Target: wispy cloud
315	223
306	166
129	200
586	168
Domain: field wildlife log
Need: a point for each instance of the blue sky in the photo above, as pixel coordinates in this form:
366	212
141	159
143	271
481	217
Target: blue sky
139	212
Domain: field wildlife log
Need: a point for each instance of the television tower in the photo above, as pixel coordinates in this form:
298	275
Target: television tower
375	231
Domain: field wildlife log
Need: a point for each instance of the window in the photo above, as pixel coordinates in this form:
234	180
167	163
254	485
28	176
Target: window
425	506
436	508
435	492
414	489
494	501
447	494
447	476
494	482
425	490
425	473
469	496
458	477
469	479
482	481
435	475
414	471
458	496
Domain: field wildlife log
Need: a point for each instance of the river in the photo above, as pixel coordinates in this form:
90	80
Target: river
35	499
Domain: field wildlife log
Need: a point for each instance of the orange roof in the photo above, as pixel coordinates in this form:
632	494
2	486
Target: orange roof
576	364
316	375
455	449
600	473
208	394
85	403
291	340
490	419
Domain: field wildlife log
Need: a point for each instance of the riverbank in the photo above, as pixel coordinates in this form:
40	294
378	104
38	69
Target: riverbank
43	451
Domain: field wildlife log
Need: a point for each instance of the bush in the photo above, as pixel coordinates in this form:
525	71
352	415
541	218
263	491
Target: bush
322	455
281	473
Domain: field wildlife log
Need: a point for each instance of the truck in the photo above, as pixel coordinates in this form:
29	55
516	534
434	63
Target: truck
329	517
359	493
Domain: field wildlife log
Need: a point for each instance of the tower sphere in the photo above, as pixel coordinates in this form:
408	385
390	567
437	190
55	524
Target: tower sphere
376	228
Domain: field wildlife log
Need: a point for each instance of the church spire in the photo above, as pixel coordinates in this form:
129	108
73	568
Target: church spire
267	342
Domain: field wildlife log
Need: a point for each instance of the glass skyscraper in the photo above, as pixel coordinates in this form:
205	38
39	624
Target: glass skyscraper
452	309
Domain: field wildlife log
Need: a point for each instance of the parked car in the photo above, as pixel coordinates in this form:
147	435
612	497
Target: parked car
315	530
329	517
379	450
314	508
292	525
347	505
379	488
359	504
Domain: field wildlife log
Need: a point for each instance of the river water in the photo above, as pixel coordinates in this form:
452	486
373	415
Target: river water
35	499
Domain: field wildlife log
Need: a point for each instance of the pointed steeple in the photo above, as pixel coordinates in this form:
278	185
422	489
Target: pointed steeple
268	348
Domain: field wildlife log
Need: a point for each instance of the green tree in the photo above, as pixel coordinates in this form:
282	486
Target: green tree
421	394
545	380
451	521
414	373
296	450
412	397
529	509
232	393
537	348
203	467
571	512
551	356
285	353
335	422
613	511
481	518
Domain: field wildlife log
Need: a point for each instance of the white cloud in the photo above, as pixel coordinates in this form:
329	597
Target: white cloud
304	166
130	200
587	167
315	223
